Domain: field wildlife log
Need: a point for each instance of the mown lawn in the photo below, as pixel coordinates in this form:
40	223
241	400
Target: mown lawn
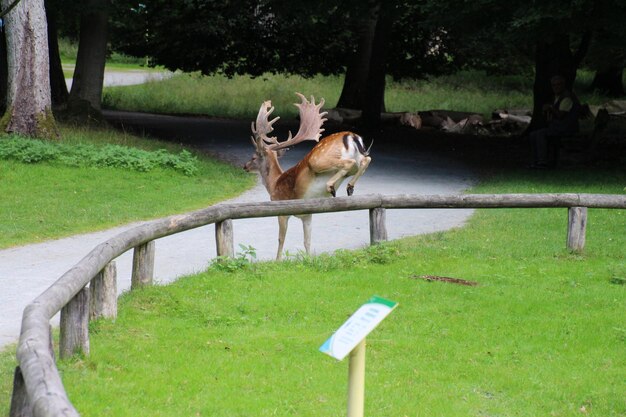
543	332
51	199
240	96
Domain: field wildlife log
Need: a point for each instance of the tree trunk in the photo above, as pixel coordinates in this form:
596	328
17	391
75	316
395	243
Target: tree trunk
28	98
86	93
353	92
610	81
552	57
58	86
3	72
375	88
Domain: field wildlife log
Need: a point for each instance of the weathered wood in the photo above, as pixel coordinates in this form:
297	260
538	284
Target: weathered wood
378	226
20	406
103	293
576	228
143	265
51	343
41	376
74	329
224	238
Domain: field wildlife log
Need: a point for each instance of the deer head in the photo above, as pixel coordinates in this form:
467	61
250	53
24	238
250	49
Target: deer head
268	149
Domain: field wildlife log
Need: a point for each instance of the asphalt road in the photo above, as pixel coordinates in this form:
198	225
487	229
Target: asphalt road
27	271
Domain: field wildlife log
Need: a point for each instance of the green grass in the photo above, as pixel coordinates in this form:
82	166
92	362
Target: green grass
68	50
241	96
544	332
52	200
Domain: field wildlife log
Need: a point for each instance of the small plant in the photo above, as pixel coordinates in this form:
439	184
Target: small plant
380	254
241	261
109	156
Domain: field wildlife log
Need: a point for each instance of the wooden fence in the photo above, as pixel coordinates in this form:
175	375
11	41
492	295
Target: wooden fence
38	390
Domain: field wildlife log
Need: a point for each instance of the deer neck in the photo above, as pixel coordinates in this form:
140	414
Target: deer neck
270	171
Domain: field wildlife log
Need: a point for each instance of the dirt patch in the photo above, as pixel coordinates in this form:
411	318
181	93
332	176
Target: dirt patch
458	281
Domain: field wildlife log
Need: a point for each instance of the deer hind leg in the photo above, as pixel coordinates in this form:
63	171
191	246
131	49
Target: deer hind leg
306	227
365	162
346	165
282	232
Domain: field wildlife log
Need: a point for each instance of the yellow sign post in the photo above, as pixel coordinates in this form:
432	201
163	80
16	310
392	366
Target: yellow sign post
350	339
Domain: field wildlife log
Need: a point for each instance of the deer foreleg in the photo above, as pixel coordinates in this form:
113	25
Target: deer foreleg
282	232
365	162
306	227
345	168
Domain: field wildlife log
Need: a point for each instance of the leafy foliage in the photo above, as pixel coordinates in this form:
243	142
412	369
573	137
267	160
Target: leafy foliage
84	155
277	36
241	261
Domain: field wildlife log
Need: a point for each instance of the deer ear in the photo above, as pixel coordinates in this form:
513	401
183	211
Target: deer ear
281	152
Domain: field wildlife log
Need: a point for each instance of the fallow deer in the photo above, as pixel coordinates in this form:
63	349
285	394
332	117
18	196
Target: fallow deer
318	174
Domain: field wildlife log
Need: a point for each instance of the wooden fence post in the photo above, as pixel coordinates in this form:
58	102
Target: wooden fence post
576	228
20	406
103	293
74	334
378	226
224	238
143	265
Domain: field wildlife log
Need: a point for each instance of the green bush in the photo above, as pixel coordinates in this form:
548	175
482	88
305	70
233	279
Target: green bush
87	155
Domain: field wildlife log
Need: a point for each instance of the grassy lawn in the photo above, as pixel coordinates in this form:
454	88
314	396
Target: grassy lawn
240	96
64	200
544	332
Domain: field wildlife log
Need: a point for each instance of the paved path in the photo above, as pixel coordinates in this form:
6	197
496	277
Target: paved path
130	77
28	270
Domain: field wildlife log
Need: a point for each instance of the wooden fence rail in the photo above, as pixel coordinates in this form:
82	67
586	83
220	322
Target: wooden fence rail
38	389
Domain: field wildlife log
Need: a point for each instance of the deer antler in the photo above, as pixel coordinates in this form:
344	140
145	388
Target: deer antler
263	125
311	121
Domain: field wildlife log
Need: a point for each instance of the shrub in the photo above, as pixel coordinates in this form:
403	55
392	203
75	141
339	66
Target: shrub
109	156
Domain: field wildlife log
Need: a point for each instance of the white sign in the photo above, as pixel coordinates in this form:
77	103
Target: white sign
358	326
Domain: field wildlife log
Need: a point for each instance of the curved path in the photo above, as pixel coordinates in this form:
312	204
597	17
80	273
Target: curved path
28	270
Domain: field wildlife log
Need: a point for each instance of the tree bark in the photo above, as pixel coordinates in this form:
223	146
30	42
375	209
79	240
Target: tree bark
86	94
29	109
375	88
354	85
58	86
3	72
